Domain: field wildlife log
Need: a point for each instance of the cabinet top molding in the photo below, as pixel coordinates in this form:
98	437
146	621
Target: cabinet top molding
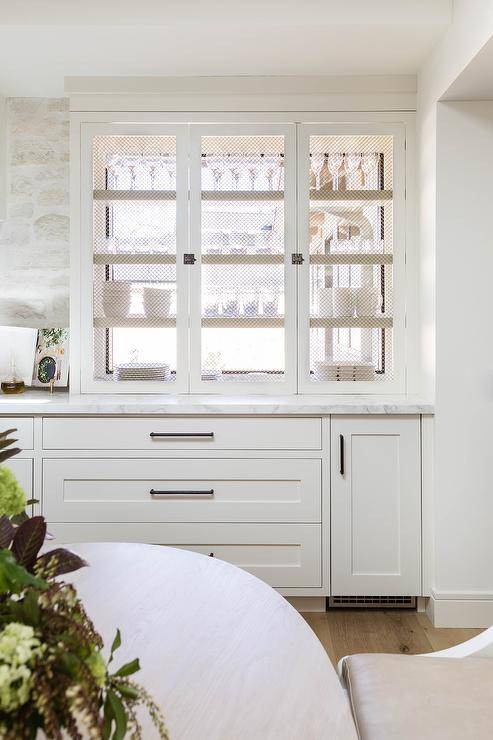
61	403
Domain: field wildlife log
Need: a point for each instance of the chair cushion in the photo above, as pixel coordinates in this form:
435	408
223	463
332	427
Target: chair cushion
401	697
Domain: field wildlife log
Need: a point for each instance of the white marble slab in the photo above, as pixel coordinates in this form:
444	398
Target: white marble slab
40	403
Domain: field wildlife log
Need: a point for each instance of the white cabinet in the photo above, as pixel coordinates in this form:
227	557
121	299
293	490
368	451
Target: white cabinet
376	506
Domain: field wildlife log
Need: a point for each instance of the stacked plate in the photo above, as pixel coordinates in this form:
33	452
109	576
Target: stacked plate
142	371
339	371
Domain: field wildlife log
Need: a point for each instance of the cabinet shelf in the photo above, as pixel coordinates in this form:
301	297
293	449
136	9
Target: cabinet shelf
242	195
113	195
134	322
243	259
134	258
242	322
351	195
351	322
356	258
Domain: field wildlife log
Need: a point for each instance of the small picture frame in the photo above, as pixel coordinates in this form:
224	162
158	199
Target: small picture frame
51	362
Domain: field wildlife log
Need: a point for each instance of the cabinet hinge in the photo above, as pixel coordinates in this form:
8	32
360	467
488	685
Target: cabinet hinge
297	258
189	259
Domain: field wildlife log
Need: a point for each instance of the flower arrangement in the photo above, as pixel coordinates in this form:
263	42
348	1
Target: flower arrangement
53	675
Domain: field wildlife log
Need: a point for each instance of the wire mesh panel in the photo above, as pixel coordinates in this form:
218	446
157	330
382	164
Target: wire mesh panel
134	254
242	254
351	258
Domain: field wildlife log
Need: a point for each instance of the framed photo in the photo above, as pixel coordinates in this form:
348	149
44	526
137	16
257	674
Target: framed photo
51	362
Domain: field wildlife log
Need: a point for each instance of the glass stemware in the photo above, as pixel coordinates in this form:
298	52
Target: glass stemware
253	167
217	167
351	166
169	166
317	162
369	165
334	162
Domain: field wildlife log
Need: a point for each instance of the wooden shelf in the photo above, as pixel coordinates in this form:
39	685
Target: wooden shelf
242	195
351	195
113	195
351	322
243	259
134	322
134	258
356	258
243	322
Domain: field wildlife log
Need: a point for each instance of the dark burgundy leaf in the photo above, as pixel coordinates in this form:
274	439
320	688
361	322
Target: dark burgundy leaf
9	453
28	540
6	434
66	561
6	442
7	531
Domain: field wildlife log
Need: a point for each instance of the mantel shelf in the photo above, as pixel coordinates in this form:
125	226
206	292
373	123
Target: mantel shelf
351	322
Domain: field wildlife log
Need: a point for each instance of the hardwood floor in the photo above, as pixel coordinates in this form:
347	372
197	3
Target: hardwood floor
345	631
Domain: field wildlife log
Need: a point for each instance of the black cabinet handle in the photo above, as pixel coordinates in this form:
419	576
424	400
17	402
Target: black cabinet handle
341	454
209	492
211	554
182	434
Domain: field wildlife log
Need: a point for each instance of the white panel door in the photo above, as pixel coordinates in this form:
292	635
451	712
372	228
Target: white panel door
376	506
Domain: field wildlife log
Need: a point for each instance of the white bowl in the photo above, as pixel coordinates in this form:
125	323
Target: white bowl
157	302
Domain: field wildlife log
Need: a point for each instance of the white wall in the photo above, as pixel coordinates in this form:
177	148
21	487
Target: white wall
464	363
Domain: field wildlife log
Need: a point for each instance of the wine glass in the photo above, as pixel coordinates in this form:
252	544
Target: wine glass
253	167
235	172
351	166
217	168
369	165
334	162
169	166
272	166
317	162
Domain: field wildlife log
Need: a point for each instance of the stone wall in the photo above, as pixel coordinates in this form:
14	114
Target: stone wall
34	240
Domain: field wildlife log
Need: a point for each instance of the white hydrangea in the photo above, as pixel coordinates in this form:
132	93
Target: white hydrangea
18	649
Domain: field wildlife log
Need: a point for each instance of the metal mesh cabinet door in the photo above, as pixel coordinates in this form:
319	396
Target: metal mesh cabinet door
351	226
243	285
139	294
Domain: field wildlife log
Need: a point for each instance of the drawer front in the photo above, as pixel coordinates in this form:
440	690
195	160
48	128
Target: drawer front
158	434
23	471
282	555
25	430
182	490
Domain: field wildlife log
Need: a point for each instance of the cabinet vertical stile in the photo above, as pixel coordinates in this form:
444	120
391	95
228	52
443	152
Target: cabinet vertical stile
243	304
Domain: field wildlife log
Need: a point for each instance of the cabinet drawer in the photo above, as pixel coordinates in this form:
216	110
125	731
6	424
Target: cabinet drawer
283	555
25	430
182	433
23	471
185	490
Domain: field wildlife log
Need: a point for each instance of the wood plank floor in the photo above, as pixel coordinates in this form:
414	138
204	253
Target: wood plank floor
346	631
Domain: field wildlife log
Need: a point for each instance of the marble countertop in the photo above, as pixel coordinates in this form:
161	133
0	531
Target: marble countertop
41	403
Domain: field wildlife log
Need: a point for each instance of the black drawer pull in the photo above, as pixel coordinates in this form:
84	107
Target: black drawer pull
341	454
209	492
182	434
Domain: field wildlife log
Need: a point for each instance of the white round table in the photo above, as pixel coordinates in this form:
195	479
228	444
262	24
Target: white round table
225	656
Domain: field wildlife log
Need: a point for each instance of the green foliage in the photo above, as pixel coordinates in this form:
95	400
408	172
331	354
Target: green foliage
12	497
53	337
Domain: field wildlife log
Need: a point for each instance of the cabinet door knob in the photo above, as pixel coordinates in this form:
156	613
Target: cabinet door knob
341	454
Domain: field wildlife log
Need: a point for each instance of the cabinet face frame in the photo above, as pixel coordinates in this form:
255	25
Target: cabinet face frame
397	383
80	382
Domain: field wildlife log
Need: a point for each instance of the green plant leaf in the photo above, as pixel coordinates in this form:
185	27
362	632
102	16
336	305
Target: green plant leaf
116	644
129	692
120	715
7	531
13	577
66	561
128	669
28	541
31	501
108	717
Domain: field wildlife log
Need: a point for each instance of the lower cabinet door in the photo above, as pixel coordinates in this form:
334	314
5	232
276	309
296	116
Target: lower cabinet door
283	555
22	468
375	506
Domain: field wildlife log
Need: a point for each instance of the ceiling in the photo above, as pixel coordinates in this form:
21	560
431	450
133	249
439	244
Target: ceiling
42	42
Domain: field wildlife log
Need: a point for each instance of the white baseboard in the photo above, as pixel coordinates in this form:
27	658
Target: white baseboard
307	603
461	611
